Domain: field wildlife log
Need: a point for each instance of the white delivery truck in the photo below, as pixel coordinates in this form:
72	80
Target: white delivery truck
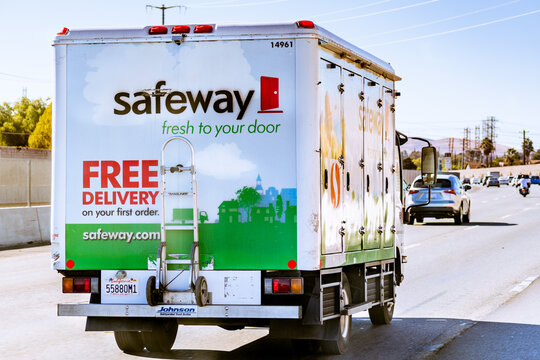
225	175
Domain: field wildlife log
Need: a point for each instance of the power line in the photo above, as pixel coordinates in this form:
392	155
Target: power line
441	20
379	12
454	30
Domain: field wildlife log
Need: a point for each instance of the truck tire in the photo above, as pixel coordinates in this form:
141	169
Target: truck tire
457	217
339	329
161	338
381	314
129	341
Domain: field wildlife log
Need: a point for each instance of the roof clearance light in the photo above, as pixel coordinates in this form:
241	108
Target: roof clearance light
63	32
157	30
203	29
306	24
180	29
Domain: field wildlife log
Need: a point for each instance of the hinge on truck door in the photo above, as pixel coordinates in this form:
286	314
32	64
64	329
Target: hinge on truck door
341	160
361	163
341	88
361	96
379	103
393	108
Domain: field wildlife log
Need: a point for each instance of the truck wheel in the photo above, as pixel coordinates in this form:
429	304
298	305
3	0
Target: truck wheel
457	217
129	341
419	219
161	338
381	314
339	328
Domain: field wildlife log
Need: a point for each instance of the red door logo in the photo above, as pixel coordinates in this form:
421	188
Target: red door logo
269	95
335	185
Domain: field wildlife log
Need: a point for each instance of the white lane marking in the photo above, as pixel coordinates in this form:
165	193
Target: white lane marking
505	216
472	227
526	209
496	199
537	204
524	284
484	202
407	247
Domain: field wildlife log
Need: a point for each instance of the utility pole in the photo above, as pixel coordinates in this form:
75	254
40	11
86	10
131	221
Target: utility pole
464	146
488	131
523	146
163	8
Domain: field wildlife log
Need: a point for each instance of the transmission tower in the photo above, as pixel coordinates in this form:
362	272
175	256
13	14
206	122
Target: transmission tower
163	8
488	131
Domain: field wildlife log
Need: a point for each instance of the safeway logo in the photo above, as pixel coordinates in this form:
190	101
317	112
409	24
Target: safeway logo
335	185
269	95
154	101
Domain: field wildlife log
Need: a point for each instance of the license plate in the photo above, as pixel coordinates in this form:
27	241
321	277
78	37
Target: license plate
121	286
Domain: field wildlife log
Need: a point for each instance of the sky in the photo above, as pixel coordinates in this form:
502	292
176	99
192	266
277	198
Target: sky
461	61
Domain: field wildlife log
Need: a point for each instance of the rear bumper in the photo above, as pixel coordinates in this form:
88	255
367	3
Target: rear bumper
183	311
435	211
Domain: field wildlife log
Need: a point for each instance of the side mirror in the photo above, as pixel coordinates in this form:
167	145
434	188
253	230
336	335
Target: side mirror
467	187
429	165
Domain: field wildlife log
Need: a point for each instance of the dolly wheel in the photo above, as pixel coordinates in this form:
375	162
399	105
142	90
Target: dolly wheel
201	291
152	294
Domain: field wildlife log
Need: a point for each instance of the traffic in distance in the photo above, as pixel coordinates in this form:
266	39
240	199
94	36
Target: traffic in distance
450	197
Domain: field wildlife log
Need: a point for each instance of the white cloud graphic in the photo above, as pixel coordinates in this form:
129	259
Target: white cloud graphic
222	161
135	67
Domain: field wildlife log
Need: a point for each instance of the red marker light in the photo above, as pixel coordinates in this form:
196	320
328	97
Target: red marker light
157	30
305	24
180	29
63	32
291	264
281	286
450	192
70	264
412	192
203	29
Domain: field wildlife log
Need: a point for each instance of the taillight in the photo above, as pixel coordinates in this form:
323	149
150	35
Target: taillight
180	29
413	192
306	24
157	30
450	192
63	32
284	286
203	29
80	285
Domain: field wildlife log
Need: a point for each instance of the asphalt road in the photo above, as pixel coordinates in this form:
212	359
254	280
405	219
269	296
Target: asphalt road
470	292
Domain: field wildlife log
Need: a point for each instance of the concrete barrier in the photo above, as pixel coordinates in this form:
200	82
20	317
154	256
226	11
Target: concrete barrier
21	226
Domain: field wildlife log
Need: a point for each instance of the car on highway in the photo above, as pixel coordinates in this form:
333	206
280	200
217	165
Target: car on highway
449	199
535	179
493	182
476	180
466	181
504	180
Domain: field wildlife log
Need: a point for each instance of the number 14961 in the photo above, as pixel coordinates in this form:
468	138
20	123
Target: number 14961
282	44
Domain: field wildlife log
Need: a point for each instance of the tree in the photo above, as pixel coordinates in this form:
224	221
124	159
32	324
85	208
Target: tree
528	148
408	163
19	121
41	137
279	206
536	155
487	147
511	156
247	198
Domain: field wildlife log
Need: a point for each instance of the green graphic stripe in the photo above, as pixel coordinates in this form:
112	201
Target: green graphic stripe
243	246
